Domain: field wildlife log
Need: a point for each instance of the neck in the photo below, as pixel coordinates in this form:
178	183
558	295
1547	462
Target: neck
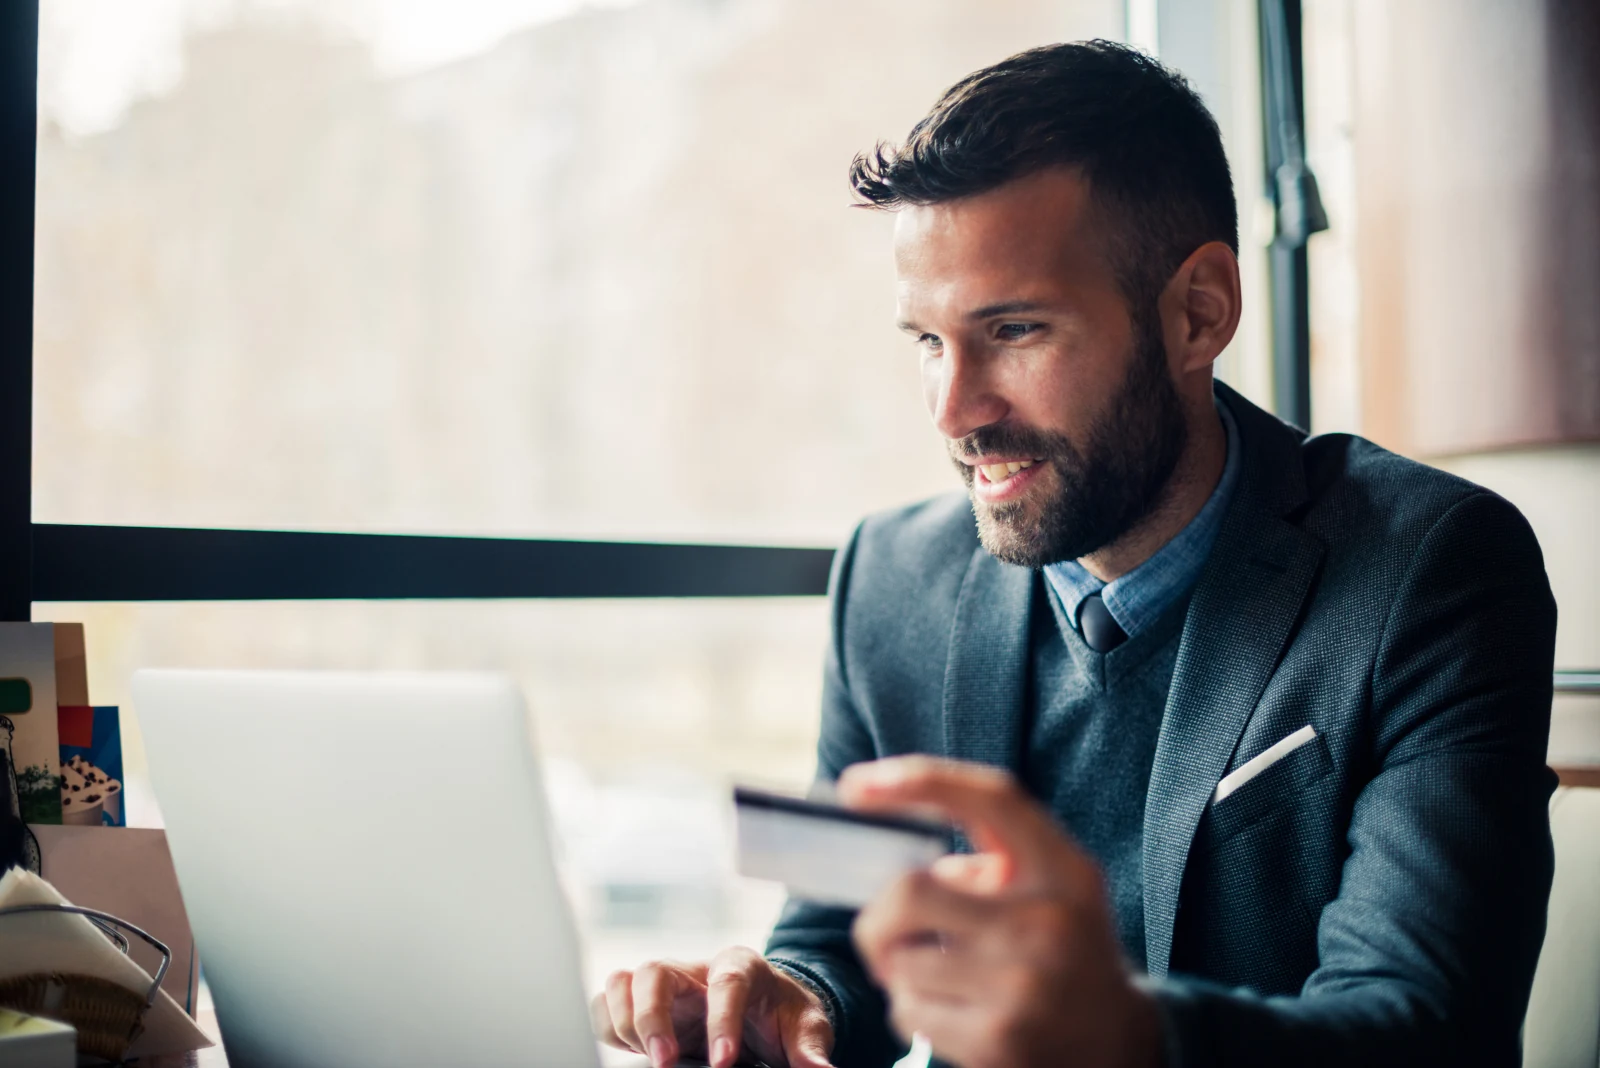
1193	480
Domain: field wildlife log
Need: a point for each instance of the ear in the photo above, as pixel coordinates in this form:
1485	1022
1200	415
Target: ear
1200	307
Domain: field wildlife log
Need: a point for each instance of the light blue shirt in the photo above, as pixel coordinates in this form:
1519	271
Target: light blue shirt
1137	599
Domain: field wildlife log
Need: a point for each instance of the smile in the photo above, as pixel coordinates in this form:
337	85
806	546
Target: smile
1000	481
998	473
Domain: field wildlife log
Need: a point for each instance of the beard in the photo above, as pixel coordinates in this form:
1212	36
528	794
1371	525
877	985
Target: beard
1104	485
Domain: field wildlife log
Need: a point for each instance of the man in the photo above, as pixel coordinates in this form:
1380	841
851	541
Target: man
1246	730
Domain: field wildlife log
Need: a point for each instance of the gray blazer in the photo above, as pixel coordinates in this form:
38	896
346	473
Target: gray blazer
1376	897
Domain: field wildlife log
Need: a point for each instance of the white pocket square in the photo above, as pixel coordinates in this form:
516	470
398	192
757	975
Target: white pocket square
1261	762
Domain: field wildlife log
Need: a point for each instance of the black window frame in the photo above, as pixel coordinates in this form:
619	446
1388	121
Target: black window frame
63	562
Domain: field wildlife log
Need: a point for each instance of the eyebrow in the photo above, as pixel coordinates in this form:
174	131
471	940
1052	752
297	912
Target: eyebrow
988	311
1010	307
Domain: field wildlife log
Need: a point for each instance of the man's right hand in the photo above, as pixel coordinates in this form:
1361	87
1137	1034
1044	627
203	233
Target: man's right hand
737	1003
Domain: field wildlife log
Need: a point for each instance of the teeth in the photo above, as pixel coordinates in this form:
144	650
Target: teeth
1001	472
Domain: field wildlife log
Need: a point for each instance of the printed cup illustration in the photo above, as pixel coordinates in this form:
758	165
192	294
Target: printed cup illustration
84	792
83	813
91	759
113	802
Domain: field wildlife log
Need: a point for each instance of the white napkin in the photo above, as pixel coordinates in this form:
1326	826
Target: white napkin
63	942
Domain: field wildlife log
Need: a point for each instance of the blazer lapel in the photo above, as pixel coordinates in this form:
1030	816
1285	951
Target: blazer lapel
1243	612
986	670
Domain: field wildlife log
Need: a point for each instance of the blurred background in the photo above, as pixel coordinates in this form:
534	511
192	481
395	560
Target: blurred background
552	268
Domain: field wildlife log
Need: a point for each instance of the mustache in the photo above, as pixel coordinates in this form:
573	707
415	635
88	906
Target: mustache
1012	441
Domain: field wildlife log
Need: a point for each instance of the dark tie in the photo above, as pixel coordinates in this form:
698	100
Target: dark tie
1099	629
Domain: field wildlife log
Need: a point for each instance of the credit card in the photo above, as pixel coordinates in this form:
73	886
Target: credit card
829	854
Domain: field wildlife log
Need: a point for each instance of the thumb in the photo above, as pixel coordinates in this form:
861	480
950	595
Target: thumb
973	873
808	1043
997	815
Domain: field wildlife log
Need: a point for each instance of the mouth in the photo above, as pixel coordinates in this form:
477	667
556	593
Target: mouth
998	479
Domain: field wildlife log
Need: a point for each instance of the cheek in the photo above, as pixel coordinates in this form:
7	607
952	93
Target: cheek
932	384
1040	392
1064	390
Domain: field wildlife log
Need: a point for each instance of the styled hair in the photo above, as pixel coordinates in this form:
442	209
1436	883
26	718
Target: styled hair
1142	138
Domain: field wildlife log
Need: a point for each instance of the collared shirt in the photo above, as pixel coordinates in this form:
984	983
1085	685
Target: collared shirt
1137	599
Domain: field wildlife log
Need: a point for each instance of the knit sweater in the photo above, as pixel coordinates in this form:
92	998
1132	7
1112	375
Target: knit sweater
1095	718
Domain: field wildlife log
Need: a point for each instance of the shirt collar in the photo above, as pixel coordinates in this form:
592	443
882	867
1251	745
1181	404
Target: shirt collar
1137	599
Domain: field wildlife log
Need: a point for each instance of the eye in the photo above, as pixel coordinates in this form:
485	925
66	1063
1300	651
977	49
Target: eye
931	342
1016	331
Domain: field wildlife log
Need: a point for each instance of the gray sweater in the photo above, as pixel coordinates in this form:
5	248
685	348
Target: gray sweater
1095	718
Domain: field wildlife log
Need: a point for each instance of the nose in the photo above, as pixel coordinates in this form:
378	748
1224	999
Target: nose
960	394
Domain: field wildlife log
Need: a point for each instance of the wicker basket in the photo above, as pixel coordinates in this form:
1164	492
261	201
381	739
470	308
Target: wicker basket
106	1015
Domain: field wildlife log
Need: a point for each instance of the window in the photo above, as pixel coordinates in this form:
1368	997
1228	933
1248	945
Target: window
307	265
528	270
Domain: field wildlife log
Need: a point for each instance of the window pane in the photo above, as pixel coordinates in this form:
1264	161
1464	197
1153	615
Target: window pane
646	713
488	267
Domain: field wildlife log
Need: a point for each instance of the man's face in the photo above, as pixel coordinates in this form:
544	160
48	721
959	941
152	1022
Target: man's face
1057	405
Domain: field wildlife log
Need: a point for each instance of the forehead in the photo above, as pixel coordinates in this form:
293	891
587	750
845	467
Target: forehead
1024	238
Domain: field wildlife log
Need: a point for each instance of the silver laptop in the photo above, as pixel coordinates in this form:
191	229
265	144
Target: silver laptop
367	868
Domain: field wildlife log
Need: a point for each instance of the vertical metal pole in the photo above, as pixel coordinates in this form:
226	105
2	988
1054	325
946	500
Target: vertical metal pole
1299	208
19	88
1291	333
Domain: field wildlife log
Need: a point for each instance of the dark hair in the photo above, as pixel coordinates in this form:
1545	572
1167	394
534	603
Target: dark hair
1151	152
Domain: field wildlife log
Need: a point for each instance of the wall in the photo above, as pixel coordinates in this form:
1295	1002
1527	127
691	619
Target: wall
1454	311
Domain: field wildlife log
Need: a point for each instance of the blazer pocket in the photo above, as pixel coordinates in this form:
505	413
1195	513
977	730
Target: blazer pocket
1275	780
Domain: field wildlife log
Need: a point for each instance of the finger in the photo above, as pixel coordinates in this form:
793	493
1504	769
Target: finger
600	1022
912	1012
918	909
727	994
619	1003
996	814
955	1033
973	873
943	972
985	800
808	1041
655	986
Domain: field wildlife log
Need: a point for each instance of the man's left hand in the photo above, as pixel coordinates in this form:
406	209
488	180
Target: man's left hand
1008	956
